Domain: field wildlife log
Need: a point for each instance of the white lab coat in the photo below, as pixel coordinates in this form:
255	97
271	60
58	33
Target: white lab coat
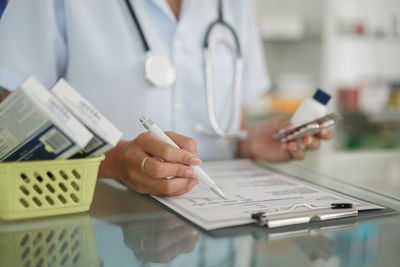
95	45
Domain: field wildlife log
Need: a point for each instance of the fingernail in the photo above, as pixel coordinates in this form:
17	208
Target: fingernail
189	172
195	161
324	132
307	140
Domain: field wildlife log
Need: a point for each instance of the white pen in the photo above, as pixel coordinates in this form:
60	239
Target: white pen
201	175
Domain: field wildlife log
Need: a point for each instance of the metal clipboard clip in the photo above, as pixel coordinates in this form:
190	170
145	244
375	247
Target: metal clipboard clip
315	214
309	128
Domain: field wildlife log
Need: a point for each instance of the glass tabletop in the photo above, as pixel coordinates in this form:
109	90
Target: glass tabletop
124	228
377	170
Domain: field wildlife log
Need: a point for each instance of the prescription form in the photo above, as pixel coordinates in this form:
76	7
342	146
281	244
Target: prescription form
250	189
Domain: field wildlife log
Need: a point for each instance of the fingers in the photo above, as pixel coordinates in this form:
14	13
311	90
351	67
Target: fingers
176	187
160	169
262	145
146	184
186	189
151	144
311	142
147	160
295	151
186	143
325	134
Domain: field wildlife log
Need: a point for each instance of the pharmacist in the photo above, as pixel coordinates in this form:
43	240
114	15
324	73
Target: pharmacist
187	65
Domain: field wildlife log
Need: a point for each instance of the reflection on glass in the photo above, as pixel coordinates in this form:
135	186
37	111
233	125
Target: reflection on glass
359	247
145	235
61	241
159	240
162	238
351	247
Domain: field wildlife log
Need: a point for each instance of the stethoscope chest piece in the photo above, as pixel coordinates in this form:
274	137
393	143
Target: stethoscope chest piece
159	70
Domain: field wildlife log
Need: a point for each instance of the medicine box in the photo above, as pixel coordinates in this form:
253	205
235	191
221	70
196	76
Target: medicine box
105	134
35	125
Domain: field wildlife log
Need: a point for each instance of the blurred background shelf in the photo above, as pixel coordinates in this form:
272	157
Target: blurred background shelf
351	49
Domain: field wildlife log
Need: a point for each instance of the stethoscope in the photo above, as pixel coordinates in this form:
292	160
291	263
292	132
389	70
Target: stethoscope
160	72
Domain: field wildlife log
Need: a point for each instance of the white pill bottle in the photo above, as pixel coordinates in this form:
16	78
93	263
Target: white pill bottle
311	108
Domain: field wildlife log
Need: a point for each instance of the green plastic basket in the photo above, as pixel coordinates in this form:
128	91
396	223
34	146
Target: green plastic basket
45	188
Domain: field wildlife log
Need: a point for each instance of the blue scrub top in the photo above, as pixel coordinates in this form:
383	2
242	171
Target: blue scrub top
95	46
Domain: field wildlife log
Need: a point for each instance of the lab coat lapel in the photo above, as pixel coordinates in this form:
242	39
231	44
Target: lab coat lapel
164	7
186	5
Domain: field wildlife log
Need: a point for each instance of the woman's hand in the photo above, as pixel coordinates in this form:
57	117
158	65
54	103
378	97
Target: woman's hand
125	162
261	145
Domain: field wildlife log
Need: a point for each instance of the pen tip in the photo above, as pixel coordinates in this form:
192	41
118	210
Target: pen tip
221	195
218	191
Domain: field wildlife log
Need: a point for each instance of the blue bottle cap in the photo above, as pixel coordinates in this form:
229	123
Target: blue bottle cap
321	97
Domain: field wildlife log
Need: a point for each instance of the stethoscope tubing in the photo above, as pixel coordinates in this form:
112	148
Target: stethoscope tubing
218	131
206	43
138	27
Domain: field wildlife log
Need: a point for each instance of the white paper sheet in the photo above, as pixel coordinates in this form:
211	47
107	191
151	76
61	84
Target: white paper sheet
250	188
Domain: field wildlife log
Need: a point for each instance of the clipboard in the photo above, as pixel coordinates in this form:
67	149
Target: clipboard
257	229
315	217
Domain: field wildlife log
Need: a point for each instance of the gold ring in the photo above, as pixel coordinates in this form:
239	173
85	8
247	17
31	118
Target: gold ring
143	162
